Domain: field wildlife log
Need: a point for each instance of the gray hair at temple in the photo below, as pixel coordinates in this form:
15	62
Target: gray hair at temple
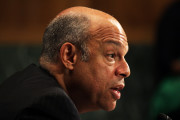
66	28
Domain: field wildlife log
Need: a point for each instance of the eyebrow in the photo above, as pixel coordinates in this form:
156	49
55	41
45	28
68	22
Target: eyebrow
115	43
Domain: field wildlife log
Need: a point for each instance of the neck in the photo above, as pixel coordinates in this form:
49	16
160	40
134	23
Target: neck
56	70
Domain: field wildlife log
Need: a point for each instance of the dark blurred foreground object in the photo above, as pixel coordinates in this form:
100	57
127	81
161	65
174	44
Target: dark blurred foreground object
166	98
168	41
163	116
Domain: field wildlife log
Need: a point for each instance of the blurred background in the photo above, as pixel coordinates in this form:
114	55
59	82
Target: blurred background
22	23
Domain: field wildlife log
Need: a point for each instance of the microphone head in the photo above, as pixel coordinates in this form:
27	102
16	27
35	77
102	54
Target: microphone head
163	116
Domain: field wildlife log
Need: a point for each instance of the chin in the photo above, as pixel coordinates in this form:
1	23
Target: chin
110	107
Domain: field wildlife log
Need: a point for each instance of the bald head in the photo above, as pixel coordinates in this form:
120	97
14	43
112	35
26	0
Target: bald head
92	14
83	10
75	25
87	49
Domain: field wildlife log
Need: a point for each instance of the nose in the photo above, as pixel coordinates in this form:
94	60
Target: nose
123	69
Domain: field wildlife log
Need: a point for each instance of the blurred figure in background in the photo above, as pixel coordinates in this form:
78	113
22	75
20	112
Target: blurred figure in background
167	95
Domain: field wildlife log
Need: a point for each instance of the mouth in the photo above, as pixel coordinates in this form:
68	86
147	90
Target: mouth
115	91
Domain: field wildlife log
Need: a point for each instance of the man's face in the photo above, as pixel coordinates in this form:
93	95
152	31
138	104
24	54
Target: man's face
97	82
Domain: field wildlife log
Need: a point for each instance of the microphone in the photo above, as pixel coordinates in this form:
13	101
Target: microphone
163	116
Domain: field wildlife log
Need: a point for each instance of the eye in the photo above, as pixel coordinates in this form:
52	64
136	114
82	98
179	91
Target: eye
111	57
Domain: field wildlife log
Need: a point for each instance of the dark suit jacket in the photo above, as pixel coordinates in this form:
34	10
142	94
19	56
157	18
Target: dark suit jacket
33	94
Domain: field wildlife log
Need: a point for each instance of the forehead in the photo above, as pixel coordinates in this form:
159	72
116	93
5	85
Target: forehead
108	31
116	24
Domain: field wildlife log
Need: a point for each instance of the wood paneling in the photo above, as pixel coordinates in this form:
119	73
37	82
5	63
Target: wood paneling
24	21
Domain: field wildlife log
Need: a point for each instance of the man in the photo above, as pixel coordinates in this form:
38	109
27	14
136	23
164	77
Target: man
82	69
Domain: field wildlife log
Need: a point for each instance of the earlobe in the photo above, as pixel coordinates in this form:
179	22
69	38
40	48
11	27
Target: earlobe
68	55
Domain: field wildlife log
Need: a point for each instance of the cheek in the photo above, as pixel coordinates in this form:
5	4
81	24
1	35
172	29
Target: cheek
102	76
105	81
104	72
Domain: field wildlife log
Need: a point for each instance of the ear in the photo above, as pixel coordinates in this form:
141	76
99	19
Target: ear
68	55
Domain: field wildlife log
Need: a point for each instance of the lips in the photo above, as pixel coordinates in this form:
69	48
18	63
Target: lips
115	91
